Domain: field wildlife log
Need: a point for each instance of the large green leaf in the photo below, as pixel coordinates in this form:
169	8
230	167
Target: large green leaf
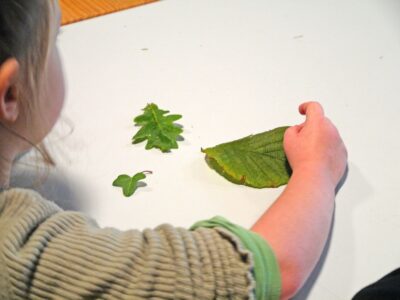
158	129
257	160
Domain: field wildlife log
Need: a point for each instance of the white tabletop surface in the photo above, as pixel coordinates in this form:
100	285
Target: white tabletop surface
233	68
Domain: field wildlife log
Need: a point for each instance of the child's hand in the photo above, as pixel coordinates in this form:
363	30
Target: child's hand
315	145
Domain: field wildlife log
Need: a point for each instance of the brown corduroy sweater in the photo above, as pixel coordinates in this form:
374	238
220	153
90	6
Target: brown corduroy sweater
48	253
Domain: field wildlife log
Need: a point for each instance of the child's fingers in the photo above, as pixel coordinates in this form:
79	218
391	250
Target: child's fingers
298	128
290	134
293	131
312	110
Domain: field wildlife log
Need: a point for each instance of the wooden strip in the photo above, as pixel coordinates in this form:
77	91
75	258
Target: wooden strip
77	10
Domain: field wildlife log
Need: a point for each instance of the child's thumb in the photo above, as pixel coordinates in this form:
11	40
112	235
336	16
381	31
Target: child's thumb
296	128
291	133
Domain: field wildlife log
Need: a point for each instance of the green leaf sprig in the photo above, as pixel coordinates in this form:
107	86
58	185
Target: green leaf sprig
158	129
130	184
257	160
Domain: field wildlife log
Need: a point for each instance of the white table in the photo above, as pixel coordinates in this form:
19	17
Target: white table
233	68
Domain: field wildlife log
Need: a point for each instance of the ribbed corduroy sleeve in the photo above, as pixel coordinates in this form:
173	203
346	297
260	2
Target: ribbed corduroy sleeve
266	268
47	253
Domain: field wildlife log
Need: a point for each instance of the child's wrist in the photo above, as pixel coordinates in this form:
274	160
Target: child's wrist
317	173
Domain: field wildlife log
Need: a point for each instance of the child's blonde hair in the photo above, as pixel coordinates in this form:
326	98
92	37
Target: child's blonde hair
25	34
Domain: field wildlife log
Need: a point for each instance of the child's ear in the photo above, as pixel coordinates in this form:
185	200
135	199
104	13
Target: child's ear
9	102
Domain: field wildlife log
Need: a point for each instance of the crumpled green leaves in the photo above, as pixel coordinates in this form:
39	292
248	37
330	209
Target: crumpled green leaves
257	160
130	184
158	129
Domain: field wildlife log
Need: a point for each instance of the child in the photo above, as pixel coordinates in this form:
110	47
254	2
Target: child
48	253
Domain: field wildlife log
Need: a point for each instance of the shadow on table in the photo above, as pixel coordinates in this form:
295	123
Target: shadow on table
52	185
360	189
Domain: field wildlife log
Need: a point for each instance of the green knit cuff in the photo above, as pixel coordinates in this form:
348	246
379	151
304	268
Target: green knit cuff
266	268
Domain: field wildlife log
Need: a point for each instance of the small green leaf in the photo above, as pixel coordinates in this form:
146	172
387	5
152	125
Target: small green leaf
129	184
158	129
257	160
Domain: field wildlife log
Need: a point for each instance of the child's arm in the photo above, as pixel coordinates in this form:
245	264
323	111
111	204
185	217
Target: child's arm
297	225
47	253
